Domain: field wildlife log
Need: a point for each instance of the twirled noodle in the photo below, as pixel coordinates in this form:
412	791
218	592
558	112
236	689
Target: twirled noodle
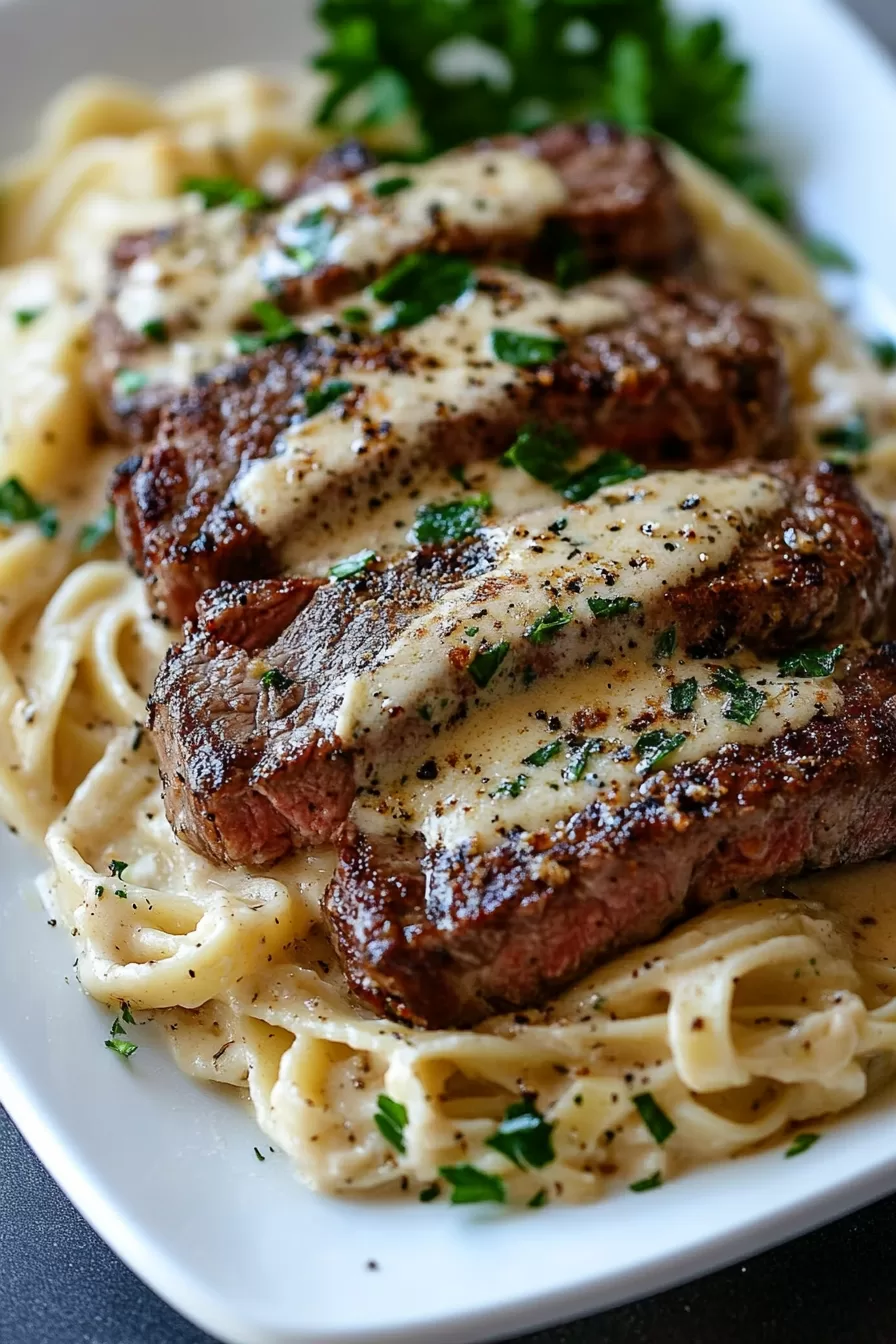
740	1023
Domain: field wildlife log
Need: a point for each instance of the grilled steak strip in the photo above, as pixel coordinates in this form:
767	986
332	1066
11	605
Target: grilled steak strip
251	769
684	377
445	938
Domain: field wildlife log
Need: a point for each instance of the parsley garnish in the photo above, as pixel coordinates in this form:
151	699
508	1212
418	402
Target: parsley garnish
612	606
683	695
390	1119
469	1185
419	285
127	1015
558	525
524	1135
226	191
853	436
538	1200
744	701
810	662
429	1193
884	351
117	867
439	523
258	1154
571	265
388	186
93	533
665	643
649	1183
17	505
608	469
276	327
510	788
123	1048
128	382
317	399
544	754
827	255
545	627
654	1117
307	241
579	757
276	680
655	747
355	317
23	317
542	453
801	1144
117	1029
524	349
487	661
155	330
352	564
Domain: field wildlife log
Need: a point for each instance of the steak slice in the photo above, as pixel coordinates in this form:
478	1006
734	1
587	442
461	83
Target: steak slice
444	938
610	199
679	375
255	734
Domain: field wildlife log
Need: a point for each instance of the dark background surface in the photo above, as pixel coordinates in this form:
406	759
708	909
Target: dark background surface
59	1284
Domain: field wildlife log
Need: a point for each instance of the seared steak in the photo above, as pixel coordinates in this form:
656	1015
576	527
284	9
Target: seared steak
677	376
445	937
260	753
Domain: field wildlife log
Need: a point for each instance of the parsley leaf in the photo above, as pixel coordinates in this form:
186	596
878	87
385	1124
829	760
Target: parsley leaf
545	627
276	326
608	469
801	1144
439	523
127	1015
429	1193
884	351
18	505
510	788
827	255
123	1048
93	533
155	330
276	680
524	349
419	285
469	1185
23	317
544	754
542	453
390	1119
117	1029
317	399
307	241
649	1183
853	436
810	662
117	867
744	701
351	565
524	1135
579	756
655	747
487	661
612	606
538	1200
682	696
217	191
654	1117
665	643
355	317
388	186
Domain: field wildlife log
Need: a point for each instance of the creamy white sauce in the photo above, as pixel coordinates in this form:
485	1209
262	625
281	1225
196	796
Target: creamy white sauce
368	443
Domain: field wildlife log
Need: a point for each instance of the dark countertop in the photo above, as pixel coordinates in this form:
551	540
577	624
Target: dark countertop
60	1284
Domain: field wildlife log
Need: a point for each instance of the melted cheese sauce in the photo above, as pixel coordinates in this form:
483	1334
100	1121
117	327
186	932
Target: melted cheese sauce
377	438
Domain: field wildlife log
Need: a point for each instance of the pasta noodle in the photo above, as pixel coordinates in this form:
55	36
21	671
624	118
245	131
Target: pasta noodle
749	1019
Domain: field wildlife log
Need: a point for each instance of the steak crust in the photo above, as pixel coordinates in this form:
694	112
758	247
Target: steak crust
688	379
250	771
443	939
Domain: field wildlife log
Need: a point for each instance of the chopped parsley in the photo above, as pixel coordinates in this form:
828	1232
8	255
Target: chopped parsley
884	351
558	525
654	1117
276	326
801	1144
810	662
612	606
545	627
579	756
429	1193
852	437
92	534
351	565
682	696
317	399
307	242
18	505
487	661
665	643
127	1015
655	746
419	285
437	524
355	317
545	753
542	453
155	330
128	382
469	1185
608	469
538	1200
117	867
123	1048
744	701
524	1135
23	317
117	1029
390	1119
524	349
276	680
827	255
258	1154
388	186
217	191
649	1183
564	245
510	788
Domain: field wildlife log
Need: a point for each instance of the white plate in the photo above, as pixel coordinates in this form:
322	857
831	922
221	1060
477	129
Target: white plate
163	1168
